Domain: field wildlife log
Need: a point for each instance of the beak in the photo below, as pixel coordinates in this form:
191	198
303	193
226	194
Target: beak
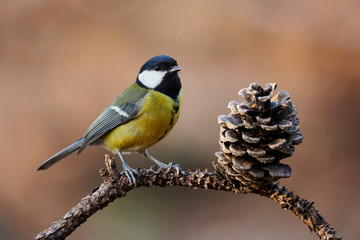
175	69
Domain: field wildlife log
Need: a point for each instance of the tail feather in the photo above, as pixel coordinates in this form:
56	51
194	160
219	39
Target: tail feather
60	155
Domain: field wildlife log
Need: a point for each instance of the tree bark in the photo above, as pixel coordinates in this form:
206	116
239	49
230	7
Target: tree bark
116	185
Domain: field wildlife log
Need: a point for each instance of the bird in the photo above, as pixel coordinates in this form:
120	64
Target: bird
142	115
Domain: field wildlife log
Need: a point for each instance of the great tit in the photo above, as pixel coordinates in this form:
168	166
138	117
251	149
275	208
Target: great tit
141	116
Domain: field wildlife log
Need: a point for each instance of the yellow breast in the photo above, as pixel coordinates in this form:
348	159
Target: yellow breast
156	118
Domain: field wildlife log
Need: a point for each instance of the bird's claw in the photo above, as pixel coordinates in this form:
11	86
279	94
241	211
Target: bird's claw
176	166
129	172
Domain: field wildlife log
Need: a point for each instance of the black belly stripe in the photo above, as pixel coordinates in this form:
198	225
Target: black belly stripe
162	136
171	121
176	108
170	127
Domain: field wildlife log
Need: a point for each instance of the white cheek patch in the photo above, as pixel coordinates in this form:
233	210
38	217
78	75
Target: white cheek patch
151	79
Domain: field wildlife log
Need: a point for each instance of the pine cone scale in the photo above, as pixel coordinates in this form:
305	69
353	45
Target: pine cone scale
257	134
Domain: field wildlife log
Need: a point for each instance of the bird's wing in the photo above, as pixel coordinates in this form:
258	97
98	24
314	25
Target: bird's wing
119	112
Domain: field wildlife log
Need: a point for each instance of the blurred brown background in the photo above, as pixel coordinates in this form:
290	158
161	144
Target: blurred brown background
62	62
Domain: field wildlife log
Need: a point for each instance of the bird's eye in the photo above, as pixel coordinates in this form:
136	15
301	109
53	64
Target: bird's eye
157	68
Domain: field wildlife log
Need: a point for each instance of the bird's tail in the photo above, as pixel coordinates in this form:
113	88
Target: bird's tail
63	153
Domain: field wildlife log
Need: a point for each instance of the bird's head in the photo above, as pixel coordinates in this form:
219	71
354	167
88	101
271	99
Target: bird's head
161	73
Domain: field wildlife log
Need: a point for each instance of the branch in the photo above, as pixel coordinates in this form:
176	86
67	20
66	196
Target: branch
301	208
116	185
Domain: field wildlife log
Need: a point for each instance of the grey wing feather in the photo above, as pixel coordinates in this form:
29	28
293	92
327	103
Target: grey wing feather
108	120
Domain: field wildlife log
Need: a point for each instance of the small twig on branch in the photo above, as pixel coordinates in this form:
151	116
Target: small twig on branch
116	185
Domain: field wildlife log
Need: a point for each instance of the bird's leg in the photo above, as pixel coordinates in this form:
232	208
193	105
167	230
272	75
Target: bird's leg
129	172
161	164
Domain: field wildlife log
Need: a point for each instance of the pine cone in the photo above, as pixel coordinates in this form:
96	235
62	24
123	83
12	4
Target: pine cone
257	134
